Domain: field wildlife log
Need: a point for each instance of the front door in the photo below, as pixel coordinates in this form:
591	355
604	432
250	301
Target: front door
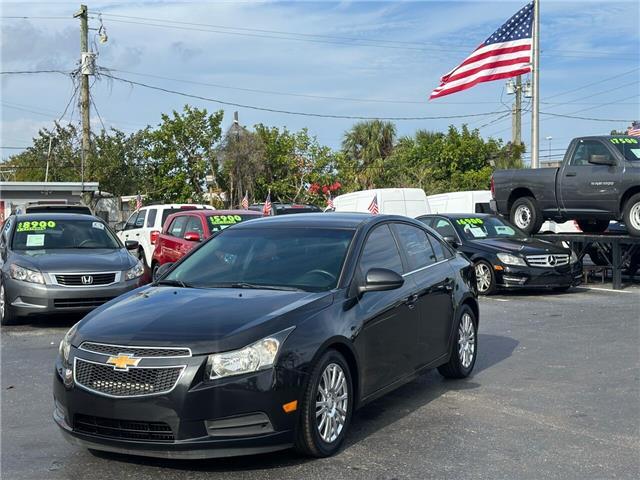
388	336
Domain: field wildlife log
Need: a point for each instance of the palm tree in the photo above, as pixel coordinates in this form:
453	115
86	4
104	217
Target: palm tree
367	145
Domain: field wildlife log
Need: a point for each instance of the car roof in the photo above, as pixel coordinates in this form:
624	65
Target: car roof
455	216
23	217
327	220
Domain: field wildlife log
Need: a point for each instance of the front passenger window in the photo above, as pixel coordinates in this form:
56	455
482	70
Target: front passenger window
380	251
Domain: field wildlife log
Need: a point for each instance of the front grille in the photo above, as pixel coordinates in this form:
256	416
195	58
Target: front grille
135	382
135	351
90	279
548	260
80	302
125	429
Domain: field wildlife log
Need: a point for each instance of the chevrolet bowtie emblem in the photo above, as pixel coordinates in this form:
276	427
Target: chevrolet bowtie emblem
123	361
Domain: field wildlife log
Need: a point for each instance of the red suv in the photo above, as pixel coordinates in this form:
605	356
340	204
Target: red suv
184	230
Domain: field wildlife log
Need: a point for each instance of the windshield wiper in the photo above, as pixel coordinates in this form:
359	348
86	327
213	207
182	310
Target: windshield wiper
173	283
259	286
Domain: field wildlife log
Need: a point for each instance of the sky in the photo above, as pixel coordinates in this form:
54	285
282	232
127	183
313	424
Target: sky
369	59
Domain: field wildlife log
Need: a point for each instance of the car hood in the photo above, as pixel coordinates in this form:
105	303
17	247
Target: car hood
523	246
79	260
205	320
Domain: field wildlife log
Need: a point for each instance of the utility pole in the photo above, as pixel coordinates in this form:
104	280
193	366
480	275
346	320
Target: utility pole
535	114
516	118
86	69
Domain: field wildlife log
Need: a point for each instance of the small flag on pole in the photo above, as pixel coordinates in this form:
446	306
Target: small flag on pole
138	202
245	201
373	206
634	129
330	202
266	209
506	53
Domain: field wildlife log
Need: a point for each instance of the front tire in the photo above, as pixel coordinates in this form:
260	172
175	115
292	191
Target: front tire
485	278
631	215
7	314
326	407
465	347
526	215
593	226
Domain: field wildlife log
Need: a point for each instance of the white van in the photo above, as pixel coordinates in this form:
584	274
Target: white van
411	202
476	201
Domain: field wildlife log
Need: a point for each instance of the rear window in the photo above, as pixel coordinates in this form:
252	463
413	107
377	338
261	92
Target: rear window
169	211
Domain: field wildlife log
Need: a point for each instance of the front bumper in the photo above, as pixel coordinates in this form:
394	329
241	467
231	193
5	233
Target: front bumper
207	419
512	277
32	298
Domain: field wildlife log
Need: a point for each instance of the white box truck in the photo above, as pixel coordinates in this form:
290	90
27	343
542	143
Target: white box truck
411	202
476	201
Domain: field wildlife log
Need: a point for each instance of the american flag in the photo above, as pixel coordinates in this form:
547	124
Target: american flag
245	201
634	129
138	202
506	53
266	209
330	205
373	206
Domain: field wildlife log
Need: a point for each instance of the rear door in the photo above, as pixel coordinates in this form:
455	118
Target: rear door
390	318
586	188
428	268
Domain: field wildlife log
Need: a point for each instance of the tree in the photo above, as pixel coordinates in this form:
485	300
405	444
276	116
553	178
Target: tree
367	145
181	152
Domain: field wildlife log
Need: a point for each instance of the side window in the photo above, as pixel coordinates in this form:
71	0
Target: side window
416	246
441	252
444	227
177	225
194	224
151	217
587	150
140	219
4	233
131	222
380	251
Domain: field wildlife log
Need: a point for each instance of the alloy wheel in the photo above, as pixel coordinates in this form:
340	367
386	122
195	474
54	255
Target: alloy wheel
522	216
483	277
466	340
2	302
332	402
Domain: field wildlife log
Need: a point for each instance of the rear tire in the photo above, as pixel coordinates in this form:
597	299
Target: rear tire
526	215
631	215
323	407
7	313
154	270
593	226
464	349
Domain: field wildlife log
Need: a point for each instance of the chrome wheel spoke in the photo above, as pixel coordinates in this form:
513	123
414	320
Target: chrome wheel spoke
332	402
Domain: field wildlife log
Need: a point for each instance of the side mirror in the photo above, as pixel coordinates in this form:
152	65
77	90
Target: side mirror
380	279
131	244
118	227
162	270
192	237
451	240
602	160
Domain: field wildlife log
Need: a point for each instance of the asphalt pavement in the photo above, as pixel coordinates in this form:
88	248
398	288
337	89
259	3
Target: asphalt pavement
555	394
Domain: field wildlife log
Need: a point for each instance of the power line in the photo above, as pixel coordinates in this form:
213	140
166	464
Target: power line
22	17
289	112
26	72
593	83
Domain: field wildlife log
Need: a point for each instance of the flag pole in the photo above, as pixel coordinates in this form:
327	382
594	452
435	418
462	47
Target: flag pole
535	70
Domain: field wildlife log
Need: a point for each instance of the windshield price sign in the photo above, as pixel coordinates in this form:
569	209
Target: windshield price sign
35	226
225	219
470	221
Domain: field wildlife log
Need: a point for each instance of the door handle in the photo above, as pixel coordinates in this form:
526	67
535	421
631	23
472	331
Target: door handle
570	174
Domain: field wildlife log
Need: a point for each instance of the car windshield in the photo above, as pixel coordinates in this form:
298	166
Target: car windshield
474	228
283	258
220	222
629	147
62	234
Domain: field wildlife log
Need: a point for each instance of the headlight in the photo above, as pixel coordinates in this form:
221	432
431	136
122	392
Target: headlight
574	258
25	274
135	272
257	356
509	259
65	343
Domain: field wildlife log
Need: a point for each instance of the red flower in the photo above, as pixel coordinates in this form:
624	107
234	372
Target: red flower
325	189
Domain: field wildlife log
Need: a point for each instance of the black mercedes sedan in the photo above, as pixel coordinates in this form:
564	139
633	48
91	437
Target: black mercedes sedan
504	256
268	336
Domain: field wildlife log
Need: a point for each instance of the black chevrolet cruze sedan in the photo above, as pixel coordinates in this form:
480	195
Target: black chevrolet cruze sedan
504	256
268	336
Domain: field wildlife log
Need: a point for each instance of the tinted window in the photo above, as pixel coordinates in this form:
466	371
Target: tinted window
587	150
220	222
62	234
443	227
416	246
302	258
194	225
474	228
151	217
380	251
628	147
169	211
441	252
140	219
178	223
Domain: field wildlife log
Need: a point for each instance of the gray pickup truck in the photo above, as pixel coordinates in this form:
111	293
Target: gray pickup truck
598	181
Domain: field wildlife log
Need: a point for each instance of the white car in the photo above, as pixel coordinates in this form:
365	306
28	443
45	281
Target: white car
145	225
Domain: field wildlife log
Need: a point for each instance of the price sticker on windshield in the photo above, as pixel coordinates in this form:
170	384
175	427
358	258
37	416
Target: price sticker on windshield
36	226
225	219
470	221
624	140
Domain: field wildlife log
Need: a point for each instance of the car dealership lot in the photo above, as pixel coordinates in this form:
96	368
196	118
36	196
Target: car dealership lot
554	395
